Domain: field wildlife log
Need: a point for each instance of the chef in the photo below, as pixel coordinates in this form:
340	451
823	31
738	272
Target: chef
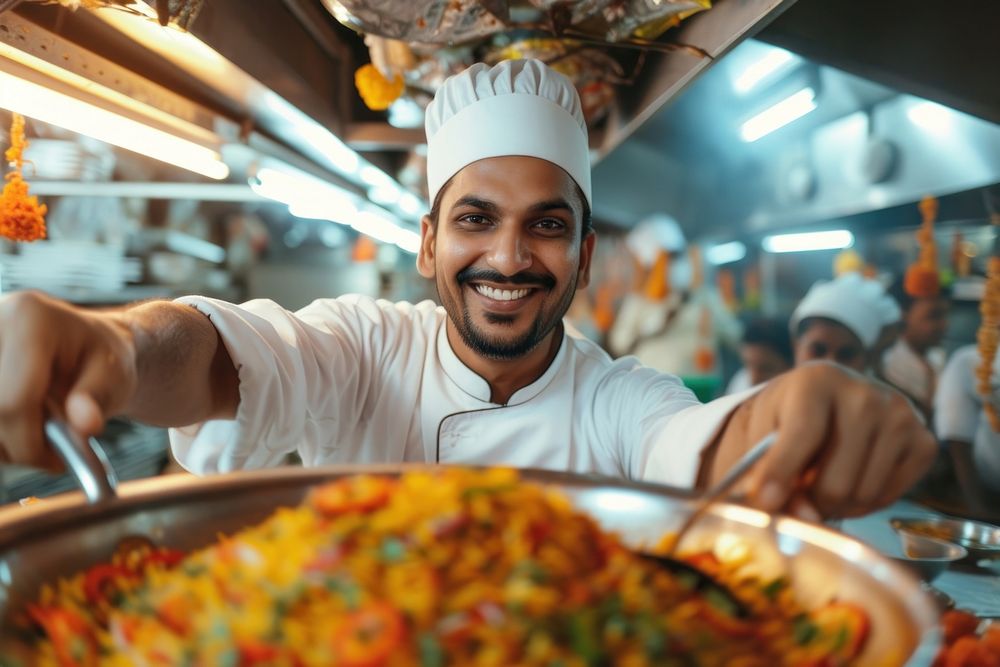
914	363
488	377
962	426
839	320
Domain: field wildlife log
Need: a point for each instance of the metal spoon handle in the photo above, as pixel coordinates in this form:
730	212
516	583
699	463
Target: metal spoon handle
85	460
721	488
736	473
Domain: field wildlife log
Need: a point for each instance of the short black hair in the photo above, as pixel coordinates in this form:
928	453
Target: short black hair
587	223
897	290
772	334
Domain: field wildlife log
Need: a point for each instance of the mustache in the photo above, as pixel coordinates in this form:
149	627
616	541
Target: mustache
473	274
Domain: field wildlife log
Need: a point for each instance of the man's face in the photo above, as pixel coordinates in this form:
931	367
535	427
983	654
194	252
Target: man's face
824	339
927	321
506	254
761	362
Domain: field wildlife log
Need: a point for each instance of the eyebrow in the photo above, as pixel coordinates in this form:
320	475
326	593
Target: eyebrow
474	201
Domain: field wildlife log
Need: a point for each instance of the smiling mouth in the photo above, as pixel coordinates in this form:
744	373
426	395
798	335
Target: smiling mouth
502	294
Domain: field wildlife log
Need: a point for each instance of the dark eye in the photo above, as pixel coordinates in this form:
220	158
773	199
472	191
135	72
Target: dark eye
474	219
550	225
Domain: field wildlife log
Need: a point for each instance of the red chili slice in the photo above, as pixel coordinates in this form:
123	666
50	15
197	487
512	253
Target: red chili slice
356	494
101	579
369	636
71	639
253	653
166	557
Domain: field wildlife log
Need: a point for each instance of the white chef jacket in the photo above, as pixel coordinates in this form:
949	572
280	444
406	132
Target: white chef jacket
904	368
354	380
739	382
958	411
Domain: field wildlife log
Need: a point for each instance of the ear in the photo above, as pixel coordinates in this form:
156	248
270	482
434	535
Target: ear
586	254
425	257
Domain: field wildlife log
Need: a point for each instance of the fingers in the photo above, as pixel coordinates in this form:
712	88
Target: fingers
84	414
25	366
54	358
91	398
846	445
855	428
912	465
801	415
802	508
885	457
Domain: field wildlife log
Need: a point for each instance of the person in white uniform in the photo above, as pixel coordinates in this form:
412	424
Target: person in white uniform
488	377
914	363
963	429
838	320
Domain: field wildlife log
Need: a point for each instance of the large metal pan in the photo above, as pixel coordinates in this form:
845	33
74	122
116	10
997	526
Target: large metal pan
62	535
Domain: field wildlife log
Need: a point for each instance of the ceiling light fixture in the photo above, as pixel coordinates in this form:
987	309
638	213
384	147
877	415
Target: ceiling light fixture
725	253
57	108
312	198
781	114
774	61
833	239
930	117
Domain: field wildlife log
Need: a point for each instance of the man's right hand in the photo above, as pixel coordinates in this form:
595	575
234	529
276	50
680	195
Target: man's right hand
55	358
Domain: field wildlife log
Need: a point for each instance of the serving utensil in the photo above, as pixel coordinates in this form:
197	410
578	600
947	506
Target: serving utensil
721	488
698	579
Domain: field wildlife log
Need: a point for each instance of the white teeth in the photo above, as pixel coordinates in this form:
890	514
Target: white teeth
501	294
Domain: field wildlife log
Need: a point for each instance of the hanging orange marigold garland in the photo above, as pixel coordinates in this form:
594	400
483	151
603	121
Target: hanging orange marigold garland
22	218
988	338
922	279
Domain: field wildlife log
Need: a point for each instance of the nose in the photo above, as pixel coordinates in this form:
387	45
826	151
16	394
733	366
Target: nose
509	252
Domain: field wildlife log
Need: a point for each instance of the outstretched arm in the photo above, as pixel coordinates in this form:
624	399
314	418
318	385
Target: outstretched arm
158	362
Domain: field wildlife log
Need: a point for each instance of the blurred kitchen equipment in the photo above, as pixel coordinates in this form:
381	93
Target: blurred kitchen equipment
926	556
980	539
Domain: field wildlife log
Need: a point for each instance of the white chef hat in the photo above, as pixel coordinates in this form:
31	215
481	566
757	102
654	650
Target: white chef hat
517	107
849	300
654	233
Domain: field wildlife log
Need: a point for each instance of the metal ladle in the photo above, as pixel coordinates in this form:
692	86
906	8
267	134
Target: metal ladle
702	581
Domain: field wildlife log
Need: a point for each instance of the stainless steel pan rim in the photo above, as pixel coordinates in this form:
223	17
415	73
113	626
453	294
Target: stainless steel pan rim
615	503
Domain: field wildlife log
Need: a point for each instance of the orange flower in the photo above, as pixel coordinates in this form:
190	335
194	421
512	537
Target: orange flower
988	338
657	286
377	91
22	218
922	278
921	281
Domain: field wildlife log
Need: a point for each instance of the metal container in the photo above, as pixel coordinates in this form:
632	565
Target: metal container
927	556
981	540
65	534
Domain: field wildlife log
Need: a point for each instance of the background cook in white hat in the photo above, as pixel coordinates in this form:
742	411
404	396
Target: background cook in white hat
490	377
839	320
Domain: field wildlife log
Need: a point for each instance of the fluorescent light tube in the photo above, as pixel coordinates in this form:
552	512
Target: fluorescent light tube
781	114
833	239
761	69
411	205
301	190
47	105
931	117
725	253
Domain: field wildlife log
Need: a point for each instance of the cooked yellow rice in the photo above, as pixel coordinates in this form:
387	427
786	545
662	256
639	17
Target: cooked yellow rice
451	567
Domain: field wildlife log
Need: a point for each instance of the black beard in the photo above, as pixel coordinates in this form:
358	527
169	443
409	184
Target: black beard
499	349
